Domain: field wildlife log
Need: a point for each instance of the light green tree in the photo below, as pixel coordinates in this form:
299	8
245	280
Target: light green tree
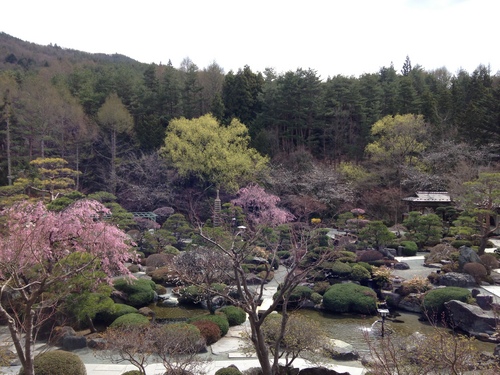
216	154
398	140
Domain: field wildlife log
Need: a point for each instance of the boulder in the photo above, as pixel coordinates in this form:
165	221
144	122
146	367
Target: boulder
340	350
471	319
393	299
401	266
412	303
467	255
461	280
70	343
96	343
59	333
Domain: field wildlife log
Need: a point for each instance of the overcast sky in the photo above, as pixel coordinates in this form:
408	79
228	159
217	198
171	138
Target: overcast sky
348	37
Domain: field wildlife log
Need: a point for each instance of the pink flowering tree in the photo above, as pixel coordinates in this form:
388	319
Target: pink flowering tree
261	207
39	260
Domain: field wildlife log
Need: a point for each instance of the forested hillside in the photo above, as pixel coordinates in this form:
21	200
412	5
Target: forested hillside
329	141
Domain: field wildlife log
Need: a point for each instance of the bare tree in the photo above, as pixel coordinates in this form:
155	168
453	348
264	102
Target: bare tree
133	344
239	246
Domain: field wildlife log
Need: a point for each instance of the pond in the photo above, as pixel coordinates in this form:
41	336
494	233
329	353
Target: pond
348	328
352	329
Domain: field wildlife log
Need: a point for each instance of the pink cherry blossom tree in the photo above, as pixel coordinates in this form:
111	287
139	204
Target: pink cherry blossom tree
36	268
261	207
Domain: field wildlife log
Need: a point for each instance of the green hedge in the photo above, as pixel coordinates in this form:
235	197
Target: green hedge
58	362
219	319
350	298
128	320
235	315
434	300
140	292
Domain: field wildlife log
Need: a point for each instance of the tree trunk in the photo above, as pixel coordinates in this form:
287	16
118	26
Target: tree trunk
259	343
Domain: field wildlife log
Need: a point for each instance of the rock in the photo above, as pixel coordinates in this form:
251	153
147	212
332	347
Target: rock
70	343
146	311
461	280
340	350
393	299
401	266
320	371
471	319
467	255
59	333
412	302
484	302
169	302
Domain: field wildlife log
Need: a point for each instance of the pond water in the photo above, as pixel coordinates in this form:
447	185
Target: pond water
347	328
353	329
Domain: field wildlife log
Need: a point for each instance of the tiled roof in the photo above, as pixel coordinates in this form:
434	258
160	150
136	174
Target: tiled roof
430	196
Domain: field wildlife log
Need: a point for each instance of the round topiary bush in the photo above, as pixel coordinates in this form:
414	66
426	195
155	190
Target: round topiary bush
235	315
350	298
360	273
219	319
140	292
58	362
109	316
300	293
128	320
231	370
433	304
209	330
476	270
490	262
410	248
340	269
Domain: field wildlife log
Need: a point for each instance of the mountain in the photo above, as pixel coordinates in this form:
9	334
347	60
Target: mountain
15	52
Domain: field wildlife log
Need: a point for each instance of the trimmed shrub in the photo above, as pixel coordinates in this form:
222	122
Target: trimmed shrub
155	261
414	285
231	370
118	309
368	267
321	287
134	268
360	273
219	319
128	320
300	293
164	275
132	372
235	315
58	362
458	243
350	298
316	298
140	292
209	330
410	248
434	300
489	261
340	269
370	256
476	270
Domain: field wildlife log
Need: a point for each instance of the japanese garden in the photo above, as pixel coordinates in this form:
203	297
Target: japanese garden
149	212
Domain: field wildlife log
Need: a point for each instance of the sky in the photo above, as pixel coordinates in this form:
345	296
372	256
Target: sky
332	37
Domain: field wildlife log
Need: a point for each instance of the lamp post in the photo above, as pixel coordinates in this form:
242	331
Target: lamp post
383	313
